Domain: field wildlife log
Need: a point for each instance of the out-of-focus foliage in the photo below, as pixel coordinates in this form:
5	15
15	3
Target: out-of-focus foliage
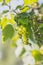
5	1
25	27
8	29
27	2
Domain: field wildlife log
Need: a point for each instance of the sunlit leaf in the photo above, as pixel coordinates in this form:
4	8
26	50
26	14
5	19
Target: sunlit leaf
7	1
27	2
36	54
25	9
5	21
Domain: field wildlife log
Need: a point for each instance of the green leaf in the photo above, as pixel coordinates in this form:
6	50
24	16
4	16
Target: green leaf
8	32
38	57
41	25
23	51
22	19
41	31
19	7
36	54
25	19
5	11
